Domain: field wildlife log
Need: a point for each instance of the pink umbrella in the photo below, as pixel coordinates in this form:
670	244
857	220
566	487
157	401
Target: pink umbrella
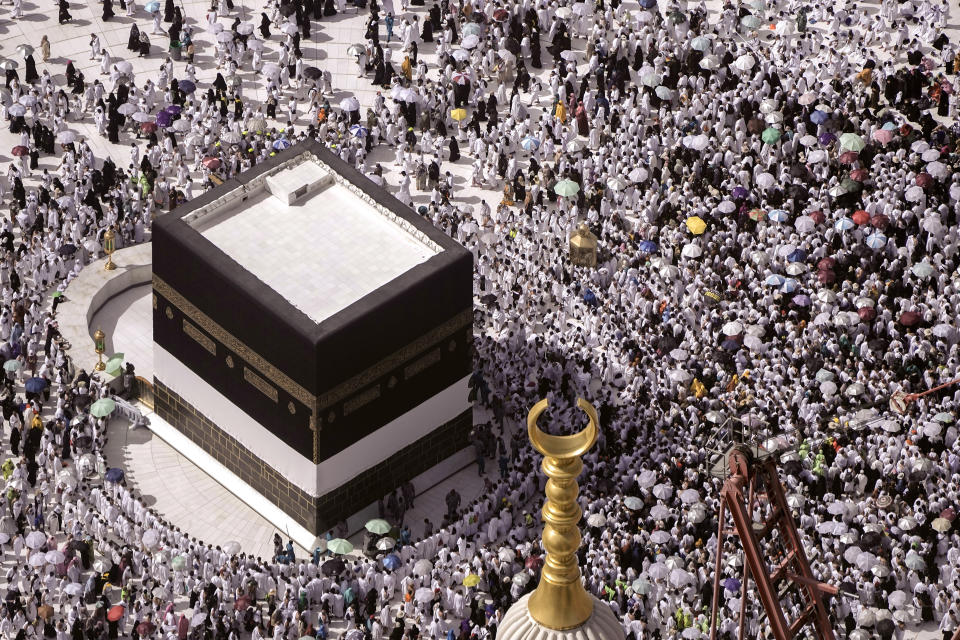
883	136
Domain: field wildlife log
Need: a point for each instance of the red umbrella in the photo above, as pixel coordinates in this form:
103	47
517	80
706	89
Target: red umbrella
859	175
211	162
148	127
20	150
905	129
501	15
849	157
924	179
534	562
145	628
909	318
861	217
880	221
827	264
115	613
948	513
242	603
818	217
867	313
826	277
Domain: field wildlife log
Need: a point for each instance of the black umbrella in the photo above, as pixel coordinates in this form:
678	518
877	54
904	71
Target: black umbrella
312	73
287	9
869	539
885	628
333	567
83	442
68	250
512	46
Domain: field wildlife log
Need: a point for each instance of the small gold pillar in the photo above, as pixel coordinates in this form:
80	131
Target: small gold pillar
560	602
109	246
99	345
583	247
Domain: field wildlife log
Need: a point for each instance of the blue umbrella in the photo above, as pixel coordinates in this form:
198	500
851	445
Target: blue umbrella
530	143
818	117
152	7
775	280
778	215
789	285
358	131
730	345
392	562
281	144
797	255
114	475
648	4
35	385
801	300
731	584
874	241
648	246
889	126
187	86
843	224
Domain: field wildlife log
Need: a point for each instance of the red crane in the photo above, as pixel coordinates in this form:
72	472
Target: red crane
773	551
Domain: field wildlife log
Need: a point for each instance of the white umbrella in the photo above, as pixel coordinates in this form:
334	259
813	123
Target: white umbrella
732	329
850	555
231	548
805	224
102	565
679	354
125	66
836	508
647	478
937	169
470	42
66	137
659	512
809	140
679	375
36	539
914	194
907	523
507	555
150	538
596	520
807	98
73	589
638	174
423	595
680	577
689	496
658	571
55	557
660	537
744	62
422	568
37	559
897	599
663	491
270	69
765	180
350	104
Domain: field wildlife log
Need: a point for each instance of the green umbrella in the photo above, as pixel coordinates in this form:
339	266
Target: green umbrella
566	188
378	526
852	142
102	407
339	546
751	22
770	135
57	294
851	185
178	563
114	364
12	365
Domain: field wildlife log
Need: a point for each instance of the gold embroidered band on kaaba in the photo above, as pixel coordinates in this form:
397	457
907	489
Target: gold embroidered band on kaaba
427	341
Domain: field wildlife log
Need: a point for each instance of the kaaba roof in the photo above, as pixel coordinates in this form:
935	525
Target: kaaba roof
313	235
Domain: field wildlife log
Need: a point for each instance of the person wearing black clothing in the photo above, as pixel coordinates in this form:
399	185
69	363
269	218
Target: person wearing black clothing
264	26
133	41
454	149
168	7
107	10
11	76
64	11
30	75
328	8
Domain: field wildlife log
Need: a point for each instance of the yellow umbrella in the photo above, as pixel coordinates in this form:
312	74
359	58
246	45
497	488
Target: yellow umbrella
696	225
471	580
458	114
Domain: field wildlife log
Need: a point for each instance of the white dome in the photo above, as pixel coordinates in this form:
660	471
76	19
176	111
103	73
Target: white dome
519	625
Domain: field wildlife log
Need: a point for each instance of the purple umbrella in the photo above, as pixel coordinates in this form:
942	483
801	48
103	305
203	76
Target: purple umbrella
164	118
801	300
818	117
173	109
739	193
731	584
827	138
187	86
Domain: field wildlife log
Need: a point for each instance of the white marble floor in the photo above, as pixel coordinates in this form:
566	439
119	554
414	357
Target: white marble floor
127	320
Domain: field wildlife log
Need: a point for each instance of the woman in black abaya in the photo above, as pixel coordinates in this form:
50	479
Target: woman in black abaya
30	74
133	42
107	9
264	26
168	11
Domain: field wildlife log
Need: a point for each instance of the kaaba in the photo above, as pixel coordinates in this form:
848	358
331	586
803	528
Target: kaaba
312	334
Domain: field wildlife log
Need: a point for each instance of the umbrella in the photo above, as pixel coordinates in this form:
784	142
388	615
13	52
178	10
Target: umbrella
102	407
113	475
696	225
11	365
333	567
19	150
392	562
211	162
458	114
9	65
73	589
339	546
770	135
423	595
37	559
660	537
659	512
596	520
700	43
178	563
378	526
731	584
851	142
245	28
647	479
664	93
680	577
663	491
744	62
151	537
146	628
640	586
471	580
187	86
507	555
152	7
633	503
689	496
473	29
350	104
280	144
470	41
102	565
521	579
530	143
566	188
658	571
66	137
422	568
35	539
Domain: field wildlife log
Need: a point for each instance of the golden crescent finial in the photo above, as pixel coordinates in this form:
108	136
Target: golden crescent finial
571	446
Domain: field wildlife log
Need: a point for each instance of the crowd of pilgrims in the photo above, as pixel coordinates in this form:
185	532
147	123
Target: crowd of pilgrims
819	280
